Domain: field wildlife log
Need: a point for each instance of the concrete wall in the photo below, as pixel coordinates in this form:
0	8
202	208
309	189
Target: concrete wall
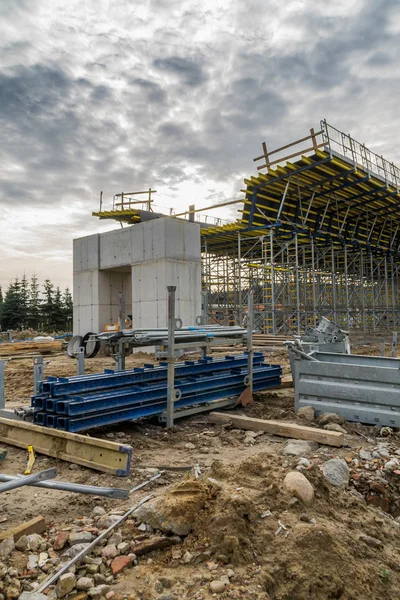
141	260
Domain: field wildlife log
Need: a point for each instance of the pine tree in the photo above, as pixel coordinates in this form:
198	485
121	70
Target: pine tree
58	317
68	309
1	308
24	295
47	306
34	304
12	314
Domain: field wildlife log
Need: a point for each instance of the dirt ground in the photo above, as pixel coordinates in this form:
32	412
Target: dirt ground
317	555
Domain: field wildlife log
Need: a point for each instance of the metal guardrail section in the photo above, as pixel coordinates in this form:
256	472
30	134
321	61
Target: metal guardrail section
364	389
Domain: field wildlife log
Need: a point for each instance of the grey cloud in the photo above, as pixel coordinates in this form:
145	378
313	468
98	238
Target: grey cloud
190	72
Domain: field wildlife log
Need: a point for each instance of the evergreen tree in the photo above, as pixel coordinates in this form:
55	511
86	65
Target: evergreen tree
68	309
47	306
24	294
1	308
12	314
58	315
34	304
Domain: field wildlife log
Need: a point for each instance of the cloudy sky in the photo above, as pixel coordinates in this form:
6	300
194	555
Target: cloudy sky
120	95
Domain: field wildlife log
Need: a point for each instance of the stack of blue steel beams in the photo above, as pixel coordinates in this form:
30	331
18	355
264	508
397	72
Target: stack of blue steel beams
82	402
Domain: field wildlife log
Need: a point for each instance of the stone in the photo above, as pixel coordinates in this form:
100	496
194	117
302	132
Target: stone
142	527
306	413
92	569
326	418
98	511
190	446
379	502
383	451
365	455
109	551
61	540
336	472
7	546
115	539
80	537
334	427
43	558
187	558
73	551
65	584
299	447
303	463
371	541
119	563
124	547
99	591
84	584
33	562
33	596
110	595
35	541
391	465
216	586
231	573
22	544
215	484
11	593
99	578
167	597
166	582
298	485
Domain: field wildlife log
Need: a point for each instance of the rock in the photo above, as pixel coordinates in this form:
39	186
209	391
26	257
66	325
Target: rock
73	551
383	451
167	597
371	541
99	591
35	541
109	551
124	547
84	584
336	472
65	584
190	446
99	578
303	463
299	447
61	540
43	558
231	574
92	569
326	418
216	586
365	455
216	485
22	543
166	582
98	511
33	562
187	558
33	596
142	527
110	595
115	539
119	563
80	537
391	465
11	593
297	485
334	427
306	413
7	546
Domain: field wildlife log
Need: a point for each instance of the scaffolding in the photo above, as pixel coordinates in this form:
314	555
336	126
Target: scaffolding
318	237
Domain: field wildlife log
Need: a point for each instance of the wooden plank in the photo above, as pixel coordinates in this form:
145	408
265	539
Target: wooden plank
290	430
36	525
94	453
44	347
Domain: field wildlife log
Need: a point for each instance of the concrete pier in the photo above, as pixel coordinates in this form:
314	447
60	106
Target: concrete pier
141	261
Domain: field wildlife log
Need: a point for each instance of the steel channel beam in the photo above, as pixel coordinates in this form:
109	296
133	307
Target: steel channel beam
128	414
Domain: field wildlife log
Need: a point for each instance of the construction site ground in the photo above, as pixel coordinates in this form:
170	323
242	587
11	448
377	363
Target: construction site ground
245	530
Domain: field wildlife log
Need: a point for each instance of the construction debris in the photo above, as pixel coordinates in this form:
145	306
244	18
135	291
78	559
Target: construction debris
30	347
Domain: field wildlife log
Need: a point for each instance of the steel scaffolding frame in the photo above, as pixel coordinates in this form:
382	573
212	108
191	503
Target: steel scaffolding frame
318	237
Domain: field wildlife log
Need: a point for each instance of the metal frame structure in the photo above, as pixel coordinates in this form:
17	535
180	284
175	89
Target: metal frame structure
318	237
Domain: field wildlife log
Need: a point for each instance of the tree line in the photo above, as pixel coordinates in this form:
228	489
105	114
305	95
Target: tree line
24	305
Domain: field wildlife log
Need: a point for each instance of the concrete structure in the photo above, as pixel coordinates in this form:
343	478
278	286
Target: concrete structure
141	261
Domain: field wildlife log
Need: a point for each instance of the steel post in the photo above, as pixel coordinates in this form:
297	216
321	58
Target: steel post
28	479
78	488
81	361
2	384
171	356
121	356
38	374
250	321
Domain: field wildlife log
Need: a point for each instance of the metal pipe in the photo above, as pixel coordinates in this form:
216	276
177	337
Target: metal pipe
2	384
81	361
250	315
89	548
28	479
38	374
66	486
